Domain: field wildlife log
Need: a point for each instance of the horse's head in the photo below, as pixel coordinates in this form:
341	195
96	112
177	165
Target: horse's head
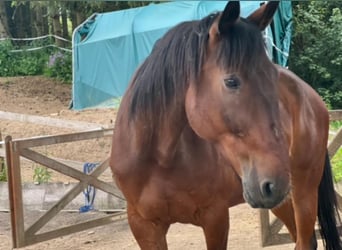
233	102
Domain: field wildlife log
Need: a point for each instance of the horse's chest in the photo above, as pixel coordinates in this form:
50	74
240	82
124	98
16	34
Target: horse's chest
180	198
176	203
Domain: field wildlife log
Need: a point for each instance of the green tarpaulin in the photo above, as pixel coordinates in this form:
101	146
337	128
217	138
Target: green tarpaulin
108	47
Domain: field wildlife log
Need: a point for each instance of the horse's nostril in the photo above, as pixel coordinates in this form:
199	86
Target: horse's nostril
267	189
267	193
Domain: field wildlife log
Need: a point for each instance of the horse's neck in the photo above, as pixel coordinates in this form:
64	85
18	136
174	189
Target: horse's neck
167	135
301	107
166	141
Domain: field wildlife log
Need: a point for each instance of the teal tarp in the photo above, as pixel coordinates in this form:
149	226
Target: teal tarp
108	47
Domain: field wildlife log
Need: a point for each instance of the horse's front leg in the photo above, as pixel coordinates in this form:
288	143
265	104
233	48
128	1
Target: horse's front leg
305	200
150	235
285	213
215	224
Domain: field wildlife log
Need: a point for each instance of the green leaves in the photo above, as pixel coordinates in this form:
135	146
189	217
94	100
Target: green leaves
316	53
3	173
34	63
60	67
41	175
7	62
337	166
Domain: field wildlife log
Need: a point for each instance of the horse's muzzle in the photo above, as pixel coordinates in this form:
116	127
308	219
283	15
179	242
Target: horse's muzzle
267	193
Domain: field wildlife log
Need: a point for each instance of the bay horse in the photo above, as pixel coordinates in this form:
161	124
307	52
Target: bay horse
208	122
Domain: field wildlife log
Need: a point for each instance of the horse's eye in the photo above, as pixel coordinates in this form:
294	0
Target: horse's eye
232	83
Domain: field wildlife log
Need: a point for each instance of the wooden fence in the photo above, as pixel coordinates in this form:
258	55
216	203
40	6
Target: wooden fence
270	230
21	236
15	149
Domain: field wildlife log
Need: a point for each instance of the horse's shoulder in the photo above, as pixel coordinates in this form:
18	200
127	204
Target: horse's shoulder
290	81
302	93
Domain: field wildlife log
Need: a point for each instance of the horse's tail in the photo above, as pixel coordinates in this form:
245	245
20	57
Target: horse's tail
328	215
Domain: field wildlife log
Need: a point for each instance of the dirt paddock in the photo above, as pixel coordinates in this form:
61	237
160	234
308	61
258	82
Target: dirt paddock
49	98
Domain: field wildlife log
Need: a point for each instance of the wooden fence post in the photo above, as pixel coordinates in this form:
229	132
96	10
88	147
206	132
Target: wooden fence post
15	193
264	226
2	160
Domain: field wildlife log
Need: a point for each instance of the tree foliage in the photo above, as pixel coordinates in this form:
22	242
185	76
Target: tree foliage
50	62
316	53
22	19
30	18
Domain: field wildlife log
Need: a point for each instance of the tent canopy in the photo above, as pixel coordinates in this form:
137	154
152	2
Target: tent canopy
108	47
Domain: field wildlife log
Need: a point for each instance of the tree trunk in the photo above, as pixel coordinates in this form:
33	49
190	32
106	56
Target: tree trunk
80	16
65	31
57	29
34	20
56	24
39	20
22	20
4	27
73	20
71	6
4	19
45	21
3	30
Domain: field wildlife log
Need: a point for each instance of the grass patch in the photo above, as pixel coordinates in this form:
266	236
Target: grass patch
337	165
41	174
335	125
3	173
336	161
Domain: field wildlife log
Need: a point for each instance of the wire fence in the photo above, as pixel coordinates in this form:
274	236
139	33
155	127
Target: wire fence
38	43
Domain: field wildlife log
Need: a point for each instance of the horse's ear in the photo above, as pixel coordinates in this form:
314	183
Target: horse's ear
264	15
226	19
229	16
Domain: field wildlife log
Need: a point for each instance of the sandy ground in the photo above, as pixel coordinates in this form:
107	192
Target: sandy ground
46	97
244	234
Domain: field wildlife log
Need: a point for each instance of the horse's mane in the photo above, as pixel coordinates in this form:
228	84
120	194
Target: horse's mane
177	59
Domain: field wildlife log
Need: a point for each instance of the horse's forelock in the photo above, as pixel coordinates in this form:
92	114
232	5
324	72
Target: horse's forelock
242	48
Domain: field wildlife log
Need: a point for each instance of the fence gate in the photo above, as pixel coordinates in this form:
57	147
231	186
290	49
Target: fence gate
15	149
